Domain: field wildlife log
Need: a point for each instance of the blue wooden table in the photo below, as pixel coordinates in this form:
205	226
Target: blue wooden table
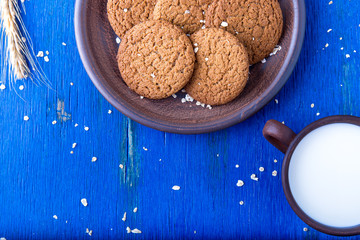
43	178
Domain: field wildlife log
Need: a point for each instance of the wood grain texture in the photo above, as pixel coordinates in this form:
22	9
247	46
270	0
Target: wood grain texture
39	177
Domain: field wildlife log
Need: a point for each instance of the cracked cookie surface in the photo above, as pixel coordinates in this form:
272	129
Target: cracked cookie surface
124	14
189	15
156	59
257	24
221	67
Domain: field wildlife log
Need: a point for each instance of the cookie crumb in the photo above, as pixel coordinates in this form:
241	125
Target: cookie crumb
94	159
2	86
329	30
174	95
241	203
276	101
128	230
237	166
347	55
275	160
187	11
331	2
125	10
84	202
145	149
76	125
86	128
118	40
64	44
305	229
135	209
46	59
176	188
121	166
263	61
21	87
55	217
74	145
274	173
196	50
276	50
261	169
26	118
54	122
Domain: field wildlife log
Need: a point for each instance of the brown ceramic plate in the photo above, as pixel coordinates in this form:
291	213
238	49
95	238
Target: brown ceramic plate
98	48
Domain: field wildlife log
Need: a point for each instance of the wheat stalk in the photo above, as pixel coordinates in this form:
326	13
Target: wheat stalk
16	46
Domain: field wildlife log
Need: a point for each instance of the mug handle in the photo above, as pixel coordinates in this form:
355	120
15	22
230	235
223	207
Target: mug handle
279	135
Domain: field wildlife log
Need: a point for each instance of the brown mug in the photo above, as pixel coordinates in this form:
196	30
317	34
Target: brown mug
284	139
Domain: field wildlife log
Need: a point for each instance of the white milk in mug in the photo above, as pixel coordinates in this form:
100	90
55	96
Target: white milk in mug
324	175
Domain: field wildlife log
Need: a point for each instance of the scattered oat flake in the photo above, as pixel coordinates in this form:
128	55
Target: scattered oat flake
135	209
196	50
274	173
312	105
253	177
109	111
135	230
176	188
76	125
326	45
21	87
276	101
275	160
141	97
183	100
89	231
71	152
331	2
261	169
40	54
224	24
121	166
2	86
47	52
46	59
347	55
187	11
206	59
318	114
64	44
128	230
26	118
2	238
152	75
124	217
145	149
341	38
118	40
189	98
305	229
84	202
86	128
74	145
263	61
125	9
237	166
276	50
71	84
240	183
329	30
55	217
174	95
241	203
94	159
54	122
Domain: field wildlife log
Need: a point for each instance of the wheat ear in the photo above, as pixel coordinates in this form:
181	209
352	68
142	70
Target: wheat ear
16	45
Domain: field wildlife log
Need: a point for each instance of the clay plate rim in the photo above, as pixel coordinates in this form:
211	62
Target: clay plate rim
287	68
